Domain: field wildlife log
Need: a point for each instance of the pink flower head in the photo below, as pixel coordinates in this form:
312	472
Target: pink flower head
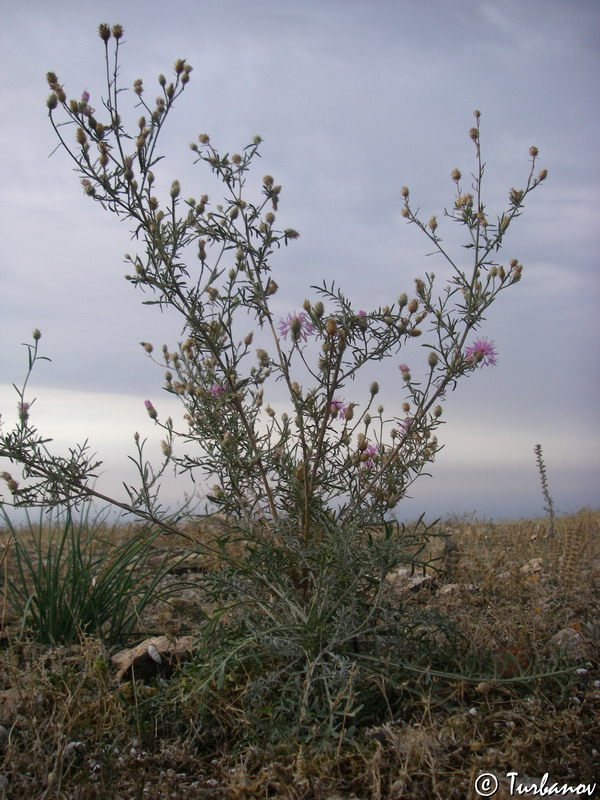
403	368
338	407
362	313
217	389
298	325
482	351
406	423
372	450
85	98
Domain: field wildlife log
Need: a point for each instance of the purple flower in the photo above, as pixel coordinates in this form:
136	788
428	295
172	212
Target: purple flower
403	367
85	98
298	325
372	450
406	423
338	407
362	313
217	389
482	351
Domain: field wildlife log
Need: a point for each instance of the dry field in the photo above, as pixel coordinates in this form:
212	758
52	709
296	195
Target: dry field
527	605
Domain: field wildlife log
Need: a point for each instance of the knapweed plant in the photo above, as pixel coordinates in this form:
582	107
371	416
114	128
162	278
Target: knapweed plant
310	489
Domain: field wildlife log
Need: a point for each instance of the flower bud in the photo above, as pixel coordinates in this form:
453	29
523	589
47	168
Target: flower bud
150	409
166	449
331	326
374	388
37	334
432	359
10	481
175	189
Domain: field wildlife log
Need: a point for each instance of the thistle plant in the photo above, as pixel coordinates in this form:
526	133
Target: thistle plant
333	455
307	486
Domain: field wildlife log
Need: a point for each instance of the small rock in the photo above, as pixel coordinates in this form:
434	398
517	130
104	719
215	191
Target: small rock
532	566
403	580
570	644
157	656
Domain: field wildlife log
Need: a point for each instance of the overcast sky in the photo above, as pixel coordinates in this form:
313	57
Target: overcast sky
354	99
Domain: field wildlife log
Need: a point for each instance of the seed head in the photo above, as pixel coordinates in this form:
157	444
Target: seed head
474	134
533	151
104	32
117	31
456	175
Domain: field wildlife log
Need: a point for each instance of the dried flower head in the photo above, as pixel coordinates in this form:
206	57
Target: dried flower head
104	32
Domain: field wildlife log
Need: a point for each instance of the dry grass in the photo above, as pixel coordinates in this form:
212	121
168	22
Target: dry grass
70	731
